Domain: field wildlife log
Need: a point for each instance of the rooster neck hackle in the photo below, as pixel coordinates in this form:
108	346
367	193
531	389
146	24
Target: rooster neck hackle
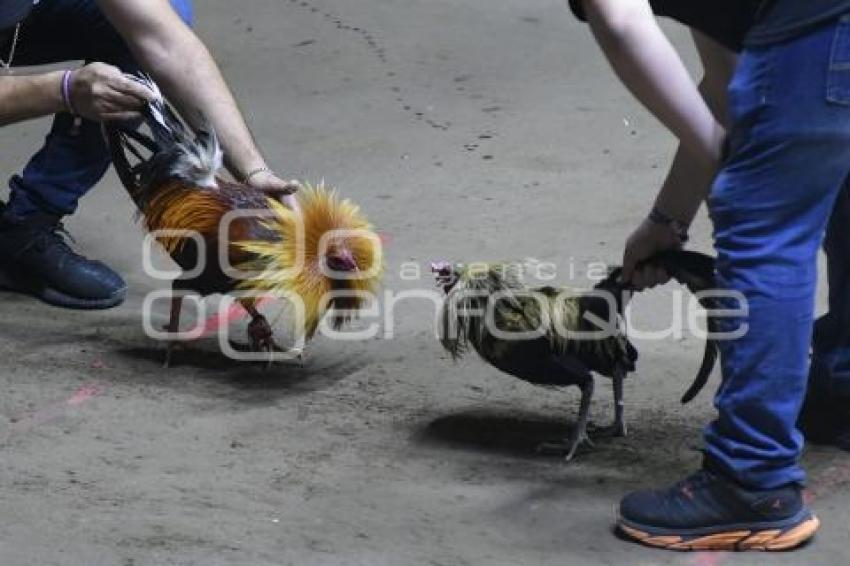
494	293
293	266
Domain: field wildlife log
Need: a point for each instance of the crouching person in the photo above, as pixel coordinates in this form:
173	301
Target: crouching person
113	37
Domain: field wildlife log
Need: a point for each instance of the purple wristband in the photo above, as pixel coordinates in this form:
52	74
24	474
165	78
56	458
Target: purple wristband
66	91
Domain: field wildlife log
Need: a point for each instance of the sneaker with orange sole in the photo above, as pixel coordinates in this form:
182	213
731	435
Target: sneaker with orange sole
709	512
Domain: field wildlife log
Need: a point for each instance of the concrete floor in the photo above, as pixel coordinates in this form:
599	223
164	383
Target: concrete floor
466	130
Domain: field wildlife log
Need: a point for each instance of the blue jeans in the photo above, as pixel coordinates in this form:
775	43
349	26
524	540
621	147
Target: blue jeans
778	195
74	156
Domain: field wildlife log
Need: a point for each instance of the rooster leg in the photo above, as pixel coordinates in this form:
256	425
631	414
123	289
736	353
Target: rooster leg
261	334
579	433
172	327
618	428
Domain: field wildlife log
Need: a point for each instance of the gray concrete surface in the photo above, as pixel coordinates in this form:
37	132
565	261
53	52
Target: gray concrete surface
466	130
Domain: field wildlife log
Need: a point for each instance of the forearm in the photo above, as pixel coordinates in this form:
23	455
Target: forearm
689	183
167	49
686	187
651	69
24	98
179	66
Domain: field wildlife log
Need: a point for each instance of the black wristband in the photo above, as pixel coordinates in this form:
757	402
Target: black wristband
678	228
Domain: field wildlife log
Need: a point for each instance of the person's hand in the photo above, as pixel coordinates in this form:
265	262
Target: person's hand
102	93
649	239
275	187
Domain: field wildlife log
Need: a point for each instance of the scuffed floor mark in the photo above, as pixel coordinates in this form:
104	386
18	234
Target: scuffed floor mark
45	415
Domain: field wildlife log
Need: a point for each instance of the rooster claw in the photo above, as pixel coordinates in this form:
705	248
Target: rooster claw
262	338
615	430
170	347
567	449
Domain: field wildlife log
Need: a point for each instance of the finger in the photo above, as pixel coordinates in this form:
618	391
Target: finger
278	190
650	277
129	87
628	268
286	190
122	102
120	116
292	203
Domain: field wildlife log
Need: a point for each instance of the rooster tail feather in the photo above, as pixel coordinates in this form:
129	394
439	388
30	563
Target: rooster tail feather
700	381
174	151
696	271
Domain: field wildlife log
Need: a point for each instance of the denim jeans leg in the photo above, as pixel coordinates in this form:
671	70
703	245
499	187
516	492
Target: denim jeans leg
74	156
790	155
830	373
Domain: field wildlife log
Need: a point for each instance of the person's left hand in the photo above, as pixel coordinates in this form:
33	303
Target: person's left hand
276	187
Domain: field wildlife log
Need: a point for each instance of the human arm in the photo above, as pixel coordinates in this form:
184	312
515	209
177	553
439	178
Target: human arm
24	98
649	66
100	92
688	182
177	59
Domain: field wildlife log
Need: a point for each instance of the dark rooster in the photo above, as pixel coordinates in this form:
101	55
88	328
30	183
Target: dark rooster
556	337
324	254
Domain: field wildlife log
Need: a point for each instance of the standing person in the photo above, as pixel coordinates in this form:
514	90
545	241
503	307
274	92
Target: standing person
113	37
778	192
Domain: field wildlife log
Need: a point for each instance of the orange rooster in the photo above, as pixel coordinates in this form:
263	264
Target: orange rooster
325	256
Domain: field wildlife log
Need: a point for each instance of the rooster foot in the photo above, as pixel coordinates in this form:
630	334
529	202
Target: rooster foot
262	338
170	347
567	448
617	429
579	436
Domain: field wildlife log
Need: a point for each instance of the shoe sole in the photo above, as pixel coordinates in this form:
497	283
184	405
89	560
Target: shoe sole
735	540
59	299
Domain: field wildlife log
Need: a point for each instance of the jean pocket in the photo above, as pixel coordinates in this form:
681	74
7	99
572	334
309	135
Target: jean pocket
838	81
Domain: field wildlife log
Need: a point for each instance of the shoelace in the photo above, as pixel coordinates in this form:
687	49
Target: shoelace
695	480
55	235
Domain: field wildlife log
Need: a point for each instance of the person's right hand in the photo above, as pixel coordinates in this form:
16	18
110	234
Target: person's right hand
102	93
647	240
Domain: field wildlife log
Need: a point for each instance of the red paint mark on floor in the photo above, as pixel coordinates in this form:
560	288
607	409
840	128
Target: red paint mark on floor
84	393
827	481
219	320
709	558
49	413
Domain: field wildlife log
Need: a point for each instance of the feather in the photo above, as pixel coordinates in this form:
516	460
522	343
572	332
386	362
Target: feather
562	313
179	198
178	152
323	214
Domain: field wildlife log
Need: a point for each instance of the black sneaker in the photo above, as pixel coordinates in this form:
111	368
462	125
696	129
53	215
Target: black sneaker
35	259
707	512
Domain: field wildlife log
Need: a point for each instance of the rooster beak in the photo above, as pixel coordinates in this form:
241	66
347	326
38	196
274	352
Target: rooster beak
343	260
